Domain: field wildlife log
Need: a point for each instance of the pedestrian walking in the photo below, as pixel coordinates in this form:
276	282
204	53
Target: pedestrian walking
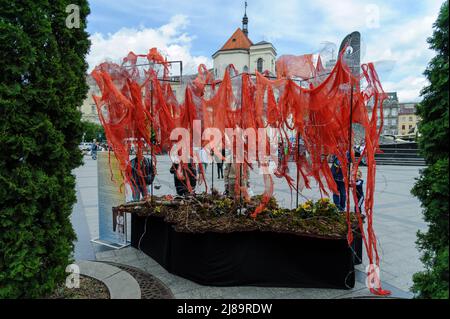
142	177
94	149
359	183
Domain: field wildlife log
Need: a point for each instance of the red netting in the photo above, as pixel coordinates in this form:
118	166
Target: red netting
136	102
296	66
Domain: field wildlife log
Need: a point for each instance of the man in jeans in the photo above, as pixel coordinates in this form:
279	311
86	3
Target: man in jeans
94	149
340	198
141	181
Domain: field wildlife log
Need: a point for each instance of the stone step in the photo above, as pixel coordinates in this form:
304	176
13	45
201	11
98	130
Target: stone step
400	161
398	155
399	151
121	284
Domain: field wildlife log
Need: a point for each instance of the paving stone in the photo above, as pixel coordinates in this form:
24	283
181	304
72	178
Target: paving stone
126	255
182	286
247	293
201	293
105	254
109	259
126	252
138	263
313	293
149	262
360	293
97	270
156	269
123	286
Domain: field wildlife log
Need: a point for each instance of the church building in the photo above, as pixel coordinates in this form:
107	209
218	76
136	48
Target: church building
239	50
245	55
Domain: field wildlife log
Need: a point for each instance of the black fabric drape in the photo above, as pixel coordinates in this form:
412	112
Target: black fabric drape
247	258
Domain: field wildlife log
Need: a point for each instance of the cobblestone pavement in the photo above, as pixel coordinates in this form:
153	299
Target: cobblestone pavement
397	218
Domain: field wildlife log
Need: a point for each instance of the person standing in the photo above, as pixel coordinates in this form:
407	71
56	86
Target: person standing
220	162
142	176
233	177
181	185
340	198
204	158
280	153
361	149
94	149
359	183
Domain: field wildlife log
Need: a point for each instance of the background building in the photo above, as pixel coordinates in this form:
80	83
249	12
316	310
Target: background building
240	51
407	118
89	109
390	114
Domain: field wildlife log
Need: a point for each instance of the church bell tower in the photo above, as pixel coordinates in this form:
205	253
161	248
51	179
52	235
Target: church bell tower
245	21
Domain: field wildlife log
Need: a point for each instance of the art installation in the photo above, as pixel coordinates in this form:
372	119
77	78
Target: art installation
139	111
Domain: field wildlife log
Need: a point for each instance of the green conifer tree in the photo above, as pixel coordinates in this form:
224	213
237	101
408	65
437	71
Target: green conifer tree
432	185
42	85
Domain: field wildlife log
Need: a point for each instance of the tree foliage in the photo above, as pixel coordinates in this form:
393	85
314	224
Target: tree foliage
42	85
432	186
92	131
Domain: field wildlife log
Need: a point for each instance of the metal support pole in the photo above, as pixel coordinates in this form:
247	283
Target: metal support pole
350	145
298	171
212	160
212	175
151	136
241	165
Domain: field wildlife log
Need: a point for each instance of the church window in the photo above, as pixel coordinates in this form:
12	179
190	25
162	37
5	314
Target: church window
259	65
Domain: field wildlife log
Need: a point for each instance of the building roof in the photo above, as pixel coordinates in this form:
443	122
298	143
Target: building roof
392	95
237	41
262	42
406	109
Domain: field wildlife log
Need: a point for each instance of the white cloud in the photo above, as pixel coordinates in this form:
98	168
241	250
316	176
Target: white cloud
402	42
407	89
169	39
397	42
405	44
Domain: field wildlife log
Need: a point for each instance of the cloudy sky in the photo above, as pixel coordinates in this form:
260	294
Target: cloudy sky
394	32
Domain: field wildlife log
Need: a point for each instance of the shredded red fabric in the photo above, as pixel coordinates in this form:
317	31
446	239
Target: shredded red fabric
138	108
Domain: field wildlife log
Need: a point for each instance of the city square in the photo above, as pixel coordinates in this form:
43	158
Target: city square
398	220
249	150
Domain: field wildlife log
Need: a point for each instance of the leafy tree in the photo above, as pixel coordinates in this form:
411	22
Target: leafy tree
42	85
432	186
92	131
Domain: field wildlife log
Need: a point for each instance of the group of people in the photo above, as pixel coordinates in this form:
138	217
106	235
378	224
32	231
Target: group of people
185	180
340	198
95	147
359	152
205	159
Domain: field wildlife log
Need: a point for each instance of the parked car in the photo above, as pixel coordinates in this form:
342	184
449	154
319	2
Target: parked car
85	147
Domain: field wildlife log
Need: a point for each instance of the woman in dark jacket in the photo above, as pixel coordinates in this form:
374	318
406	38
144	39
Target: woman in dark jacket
141	180
181	185
339	199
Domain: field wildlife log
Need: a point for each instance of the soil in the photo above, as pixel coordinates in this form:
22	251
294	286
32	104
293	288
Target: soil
90	288
216	213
